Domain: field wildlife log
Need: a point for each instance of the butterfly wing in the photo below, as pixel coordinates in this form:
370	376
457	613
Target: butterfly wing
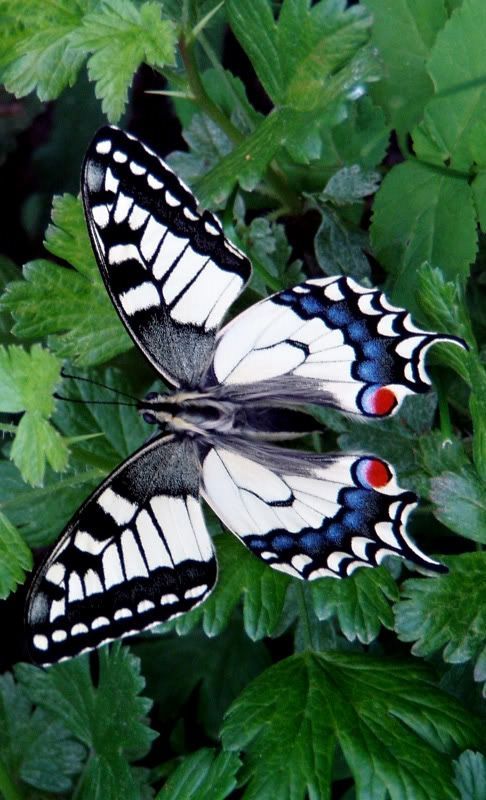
168	267
309	515
137	553
328	341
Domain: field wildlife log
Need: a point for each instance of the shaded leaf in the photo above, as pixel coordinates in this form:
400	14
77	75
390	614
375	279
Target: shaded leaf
15	557
460	503
350	184
470	775
340	249
110	719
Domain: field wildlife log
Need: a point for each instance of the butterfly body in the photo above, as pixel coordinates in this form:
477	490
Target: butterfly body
137	552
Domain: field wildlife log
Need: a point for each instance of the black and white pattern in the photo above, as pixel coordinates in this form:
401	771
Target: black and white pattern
168	267
138	552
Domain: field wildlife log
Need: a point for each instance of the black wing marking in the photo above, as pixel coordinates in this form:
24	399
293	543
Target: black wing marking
309	515
137	553
328	341
168	267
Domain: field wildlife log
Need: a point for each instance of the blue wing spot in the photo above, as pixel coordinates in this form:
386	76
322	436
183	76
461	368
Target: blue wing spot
282	542
353	520
358	331
258	544
373	372
339	315
357	499
288	298
311	543
335	534
311	305
375	349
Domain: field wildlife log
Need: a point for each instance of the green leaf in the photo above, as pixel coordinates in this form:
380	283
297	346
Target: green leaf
448	612
8	272
217	668
455	119
28	381
404	32
110	719
207	144
15	557
204	775
267	246
350	185
422	215
36	748
340	249
460	503
253	24
395	729
38	49
71	306
479	193
242	576
361	604
470	775
121	35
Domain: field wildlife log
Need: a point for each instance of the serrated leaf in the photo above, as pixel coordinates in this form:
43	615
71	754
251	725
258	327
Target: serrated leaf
267	245
28	381
404	32
361	604
121	35
207	143
71	306
204	775
38	49
110	719
447	613
8	272
454	123
470	775
392	724
217	668
422	215
460	503
35	747
15	557
253	24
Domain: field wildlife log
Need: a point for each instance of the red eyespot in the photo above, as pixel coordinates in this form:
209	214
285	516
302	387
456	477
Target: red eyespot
378	401
373	473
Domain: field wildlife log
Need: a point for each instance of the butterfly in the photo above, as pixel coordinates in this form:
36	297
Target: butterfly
138	552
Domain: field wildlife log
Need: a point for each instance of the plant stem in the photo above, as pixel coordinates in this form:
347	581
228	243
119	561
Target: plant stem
444	415
8	789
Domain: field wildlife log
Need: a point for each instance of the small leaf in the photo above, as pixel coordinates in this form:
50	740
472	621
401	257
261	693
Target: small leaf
121	35
71	306
110	719
393	725
207	143
267	245
350	184
340	249
460	503
422	215
470	775
15	557
448	612
205	775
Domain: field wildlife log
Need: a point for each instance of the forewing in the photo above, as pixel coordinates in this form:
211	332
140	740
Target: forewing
170	271
309	515
328	341
136	554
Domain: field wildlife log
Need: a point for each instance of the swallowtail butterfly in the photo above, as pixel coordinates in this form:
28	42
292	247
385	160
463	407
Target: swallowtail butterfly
137	552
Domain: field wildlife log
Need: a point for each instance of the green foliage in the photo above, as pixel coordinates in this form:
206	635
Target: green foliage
369	163
393	726
448	613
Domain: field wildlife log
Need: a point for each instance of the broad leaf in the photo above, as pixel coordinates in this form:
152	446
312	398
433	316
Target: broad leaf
460	503
422	215
448	613
204	775
454	123
109	718
71	306
349	185
404	32
394	726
